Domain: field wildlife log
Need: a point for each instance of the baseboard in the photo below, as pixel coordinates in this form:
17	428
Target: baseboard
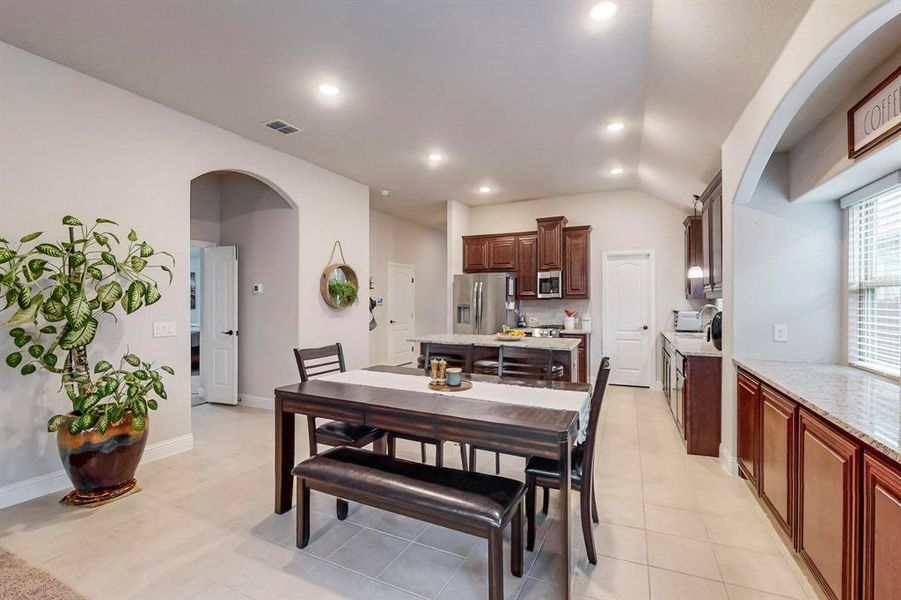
728	462
658	386
256	401
57	481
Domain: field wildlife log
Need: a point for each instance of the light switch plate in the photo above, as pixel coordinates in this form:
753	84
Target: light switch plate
164	329
780	332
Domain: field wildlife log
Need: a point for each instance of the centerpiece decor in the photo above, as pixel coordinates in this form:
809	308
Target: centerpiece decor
59	293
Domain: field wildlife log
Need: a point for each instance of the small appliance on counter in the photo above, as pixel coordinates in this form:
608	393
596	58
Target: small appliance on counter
715	333
687	320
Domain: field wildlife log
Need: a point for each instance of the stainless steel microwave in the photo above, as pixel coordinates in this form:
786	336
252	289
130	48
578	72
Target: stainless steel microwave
550	284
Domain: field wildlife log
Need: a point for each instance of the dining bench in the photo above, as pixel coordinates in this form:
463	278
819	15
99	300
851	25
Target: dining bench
473	503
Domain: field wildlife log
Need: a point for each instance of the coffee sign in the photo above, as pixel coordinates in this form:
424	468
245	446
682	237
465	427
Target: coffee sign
875	118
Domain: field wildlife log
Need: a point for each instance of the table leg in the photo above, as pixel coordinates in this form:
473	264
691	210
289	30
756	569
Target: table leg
565	532
380	446
284	457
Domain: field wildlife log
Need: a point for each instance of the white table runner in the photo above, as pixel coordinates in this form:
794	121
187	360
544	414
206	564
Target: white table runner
579	402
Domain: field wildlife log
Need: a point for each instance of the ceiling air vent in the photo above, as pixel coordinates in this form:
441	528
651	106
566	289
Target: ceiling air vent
282	127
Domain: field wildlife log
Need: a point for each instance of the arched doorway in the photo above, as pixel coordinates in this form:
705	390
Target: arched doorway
244	275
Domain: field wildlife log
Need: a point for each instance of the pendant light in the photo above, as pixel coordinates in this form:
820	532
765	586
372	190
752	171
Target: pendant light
695	272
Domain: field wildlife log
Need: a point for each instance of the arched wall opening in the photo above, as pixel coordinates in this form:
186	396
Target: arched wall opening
240	209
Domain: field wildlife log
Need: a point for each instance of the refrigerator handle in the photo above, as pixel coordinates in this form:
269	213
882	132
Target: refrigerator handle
478	307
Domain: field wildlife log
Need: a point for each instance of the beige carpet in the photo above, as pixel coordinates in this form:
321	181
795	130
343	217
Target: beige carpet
20	580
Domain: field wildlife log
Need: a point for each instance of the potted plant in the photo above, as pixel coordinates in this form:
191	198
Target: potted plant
58	294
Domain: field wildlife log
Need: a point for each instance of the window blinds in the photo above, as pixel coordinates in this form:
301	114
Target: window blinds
874	283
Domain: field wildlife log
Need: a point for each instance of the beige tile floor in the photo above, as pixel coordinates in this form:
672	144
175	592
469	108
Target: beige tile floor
673	527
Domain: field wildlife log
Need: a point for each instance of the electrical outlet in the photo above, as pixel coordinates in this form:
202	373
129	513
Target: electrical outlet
164	329
780	332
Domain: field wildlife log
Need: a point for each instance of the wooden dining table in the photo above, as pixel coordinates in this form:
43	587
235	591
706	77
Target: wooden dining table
508	428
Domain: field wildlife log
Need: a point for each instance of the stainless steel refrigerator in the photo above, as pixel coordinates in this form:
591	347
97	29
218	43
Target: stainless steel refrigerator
484	302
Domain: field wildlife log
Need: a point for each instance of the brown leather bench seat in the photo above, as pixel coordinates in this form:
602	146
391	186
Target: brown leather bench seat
473	503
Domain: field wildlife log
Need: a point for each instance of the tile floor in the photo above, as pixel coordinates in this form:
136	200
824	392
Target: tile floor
673	527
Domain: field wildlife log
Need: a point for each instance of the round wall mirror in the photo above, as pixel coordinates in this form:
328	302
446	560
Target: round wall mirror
339	286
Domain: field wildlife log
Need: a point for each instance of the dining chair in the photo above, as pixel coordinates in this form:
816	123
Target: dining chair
315	362
545	472
521	363
456	355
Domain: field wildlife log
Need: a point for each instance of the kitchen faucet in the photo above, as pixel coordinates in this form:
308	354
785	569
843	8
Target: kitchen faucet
701	317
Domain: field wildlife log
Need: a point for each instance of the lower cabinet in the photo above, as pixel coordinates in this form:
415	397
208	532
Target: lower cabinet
582	351
748	407
777	460
881	529
828	505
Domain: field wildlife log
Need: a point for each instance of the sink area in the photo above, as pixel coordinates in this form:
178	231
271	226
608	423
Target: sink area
695	335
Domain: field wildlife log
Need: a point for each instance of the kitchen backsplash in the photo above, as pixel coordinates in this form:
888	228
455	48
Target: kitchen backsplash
550	311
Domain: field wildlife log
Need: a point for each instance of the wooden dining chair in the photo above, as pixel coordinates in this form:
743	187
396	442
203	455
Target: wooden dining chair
545	472
522	363
456	355
315	362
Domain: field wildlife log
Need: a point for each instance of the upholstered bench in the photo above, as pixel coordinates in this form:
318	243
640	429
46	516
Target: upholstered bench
473	503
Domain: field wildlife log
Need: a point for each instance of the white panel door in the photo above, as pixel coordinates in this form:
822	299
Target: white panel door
401	313
219	324
628	305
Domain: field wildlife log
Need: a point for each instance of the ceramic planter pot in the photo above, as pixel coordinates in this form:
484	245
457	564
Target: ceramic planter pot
101	466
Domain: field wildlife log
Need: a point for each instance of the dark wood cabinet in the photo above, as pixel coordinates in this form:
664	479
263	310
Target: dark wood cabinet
748	408
777	460
701	411
527	266
828	505
576	261
694	256
502	253
583	353
550	243
712	236
881	575
475	254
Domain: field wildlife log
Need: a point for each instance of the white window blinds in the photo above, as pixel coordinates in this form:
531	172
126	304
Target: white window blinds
874	283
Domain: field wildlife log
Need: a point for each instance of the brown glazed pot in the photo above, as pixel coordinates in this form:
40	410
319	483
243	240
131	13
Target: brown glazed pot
97	462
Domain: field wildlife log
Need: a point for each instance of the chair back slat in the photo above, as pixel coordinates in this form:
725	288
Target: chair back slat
526	363
597	398
310	363
456	355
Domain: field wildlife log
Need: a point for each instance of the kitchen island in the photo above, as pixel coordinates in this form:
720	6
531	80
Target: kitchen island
487	346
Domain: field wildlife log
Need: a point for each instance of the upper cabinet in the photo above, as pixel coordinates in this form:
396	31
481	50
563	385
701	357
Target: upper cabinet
475	254
694	256
502	253
712	237
576	261
550	243
527	266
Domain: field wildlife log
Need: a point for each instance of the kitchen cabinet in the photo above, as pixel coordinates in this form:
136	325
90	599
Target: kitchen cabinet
550	243
678	406
694	256
475	254
583	353
502	253
666	364
748	408
828	505
576	261
712	237
881	575
701	393
527	266
777	461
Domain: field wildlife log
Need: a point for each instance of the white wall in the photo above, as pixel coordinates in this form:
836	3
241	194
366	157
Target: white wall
70	143
787	266
205	210
620	220
396	240
457	227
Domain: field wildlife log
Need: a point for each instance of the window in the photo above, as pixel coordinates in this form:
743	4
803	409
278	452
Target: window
874	282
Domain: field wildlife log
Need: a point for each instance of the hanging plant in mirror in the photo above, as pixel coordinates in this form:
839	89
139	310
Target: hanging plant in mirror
339	286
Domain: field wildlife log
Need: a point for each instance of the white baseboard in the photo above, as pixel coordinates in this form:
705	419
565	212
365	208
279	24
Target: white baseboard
256	401
57	481
658	386
729	462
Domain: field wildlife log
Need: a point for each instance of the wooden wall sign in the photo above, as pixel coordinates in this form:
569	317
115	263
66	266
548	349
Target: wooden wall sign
875	118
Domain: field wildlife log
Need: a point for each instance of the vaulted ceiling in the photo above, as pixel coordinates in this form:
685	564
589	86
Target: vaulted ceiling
514	95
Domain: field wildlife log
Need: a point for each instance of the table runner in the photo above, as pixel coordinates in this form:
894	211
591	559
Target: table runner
579	402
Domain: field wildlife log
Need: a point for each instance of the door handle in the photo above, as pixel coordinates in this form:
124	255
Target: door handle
645	327
392	321
229	332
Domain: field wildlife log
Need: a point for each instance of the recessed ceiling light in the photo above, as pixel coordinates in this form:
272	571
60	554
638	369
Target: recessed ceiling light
616	170
385	192
616	126
485	189
328	89
603	10
435	157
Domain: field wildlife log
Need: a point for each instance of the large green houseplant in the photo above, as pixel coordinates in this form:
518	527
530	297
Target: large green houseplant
59	293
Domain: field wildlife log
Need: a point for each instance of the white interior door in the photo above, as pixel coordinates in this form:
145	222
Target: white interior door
401	313
219	324
628	317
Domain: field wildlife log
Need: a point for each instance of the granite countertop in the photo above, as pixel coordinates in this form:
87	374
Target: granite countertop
865	405
560	344
690	345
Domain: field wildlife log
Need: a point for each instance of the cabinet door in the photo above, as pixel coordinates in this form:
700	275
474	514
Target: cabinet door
694	256
777	456
665	375
582	352
475	254
716	240
576	262
502	253
680	391
527	266
748	426
828	503
550	243
881	528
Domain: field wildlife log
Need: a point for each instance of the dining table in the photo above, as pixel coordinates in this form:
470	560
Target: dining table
520	417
